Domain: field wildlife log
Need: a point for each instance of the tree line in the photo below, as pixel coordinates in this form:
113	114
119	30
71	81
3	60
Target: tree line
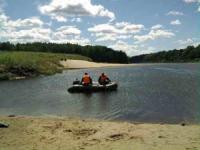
96	53
189	54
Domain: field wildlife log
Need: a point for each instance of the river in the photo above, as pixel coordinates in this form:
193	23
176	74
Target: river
152	93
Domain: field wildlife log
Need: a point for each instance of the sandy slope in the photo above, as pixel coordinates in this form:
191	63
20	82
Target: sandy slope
28	133
77	64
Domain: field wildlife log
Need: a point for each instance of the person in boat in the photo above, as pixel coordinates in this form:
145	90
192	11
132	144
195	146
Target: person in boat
103	79
76	82
86	80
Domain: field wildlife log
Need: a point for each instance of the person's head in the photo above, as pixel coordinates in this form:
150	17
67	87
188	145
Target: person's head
86	73
103	74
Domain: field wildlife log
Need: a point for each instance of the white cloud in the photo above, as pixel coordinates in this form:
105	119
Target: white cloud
131	49
12	25
154	34
3	20
76	20
79	40
191	1
28	35
23	30
104	28
63	9
127	27
175	13
123	46
25	23
32	30
185	42
175	22
69	30
112	32
157	26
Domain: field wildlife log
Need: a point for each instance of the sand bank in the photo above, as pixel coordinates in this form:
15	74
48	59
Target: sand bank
28	133
78	64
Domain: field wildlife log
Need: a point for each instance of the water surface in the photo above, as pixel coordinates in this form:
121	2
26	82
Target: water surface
168	93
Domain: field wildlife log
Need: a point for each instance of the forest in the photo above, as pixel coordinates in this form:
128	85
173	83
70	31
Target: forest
189	54
105	54
96	53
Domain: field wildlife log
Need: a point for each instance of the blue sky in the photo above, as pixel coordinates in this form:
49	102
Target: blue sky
134	26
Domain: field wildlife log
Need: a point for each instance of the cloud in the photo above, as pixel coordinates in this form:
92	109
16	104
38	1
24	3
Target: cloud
112	32
123	46
32	30
69	30
175	13
127	27
28	35
25	23
63	9
131	49
191	1
157	26
175	22
154	34
68	34
76	20
3	20
77	40
187	42
23	30
104	28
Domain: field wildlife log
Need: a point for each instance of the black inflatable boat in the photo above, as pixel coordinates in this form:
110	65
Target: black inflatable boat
95	87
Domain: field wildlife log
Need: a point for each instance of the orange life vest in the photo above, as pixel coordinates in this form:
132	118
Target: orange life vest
86	79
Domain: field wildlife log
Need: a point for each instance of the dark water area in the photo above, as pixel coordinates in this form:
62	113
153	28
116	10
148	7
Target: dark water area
154	93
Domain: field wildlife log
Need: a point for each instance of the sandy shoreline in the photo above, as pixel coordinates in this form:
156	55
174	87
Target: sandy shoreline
25	133
80	64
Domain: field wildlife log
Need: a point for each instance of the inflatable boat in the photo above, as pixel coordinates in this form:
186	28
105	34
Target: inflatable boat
95	87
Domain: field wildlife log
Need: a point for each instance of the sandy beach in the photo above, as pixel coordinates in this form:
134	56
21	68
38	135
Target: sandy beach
80	64
29	133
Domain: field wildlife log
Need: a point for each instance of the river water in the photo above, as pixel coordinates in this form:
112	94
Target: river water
154	93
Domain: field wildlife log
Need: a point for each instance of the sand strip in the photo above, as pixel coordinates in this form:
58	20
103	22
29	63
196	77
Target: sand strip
28	133
79	64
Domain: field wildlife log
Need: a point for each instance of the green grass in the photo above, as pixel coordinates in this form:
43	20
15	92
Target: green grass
41	63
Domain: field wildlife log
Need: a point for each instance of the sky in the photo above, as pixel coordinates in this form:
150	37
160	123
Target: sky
133	26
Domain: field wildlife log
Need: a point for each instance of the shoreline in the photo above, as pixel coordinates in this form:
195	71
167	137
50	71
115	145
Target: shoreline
49	133
68	64
83	64
64	65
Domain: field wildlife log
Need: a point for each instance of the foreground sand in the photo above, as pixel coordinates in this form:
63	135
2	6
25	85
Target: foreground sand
79	64
28	133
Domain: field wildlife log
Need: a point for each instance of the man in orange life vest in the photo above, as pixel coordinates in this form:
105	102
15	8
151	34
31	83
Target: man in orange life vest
103	79
86	80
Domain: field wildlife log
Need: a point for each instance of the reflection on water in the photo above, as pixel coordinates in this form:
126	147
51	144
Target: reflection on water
147	93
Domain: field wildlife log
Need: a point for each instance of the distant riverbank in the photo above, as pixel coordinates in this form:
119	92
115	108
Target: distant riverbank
19	65
66	134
